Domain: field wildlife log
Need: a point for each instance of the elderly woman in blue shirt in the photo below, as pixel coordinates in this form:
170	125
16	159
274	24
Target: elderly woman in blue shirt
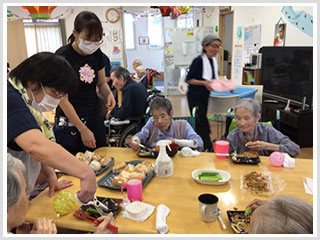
250	135
161	126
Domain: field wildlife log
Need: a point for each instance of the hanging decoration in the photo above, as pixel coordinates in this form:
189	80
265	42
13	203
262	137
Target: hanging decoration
39	12
112	15
11	16
184	9
175	12
165	11
300	19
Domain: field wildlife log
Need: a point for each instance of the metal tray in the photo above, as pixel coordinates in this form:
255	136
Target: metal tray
112	203
102	169
230	214
106	180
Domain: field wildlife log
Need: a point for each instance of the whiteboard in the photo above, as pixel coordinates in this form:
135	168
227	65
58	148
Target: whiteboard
186	43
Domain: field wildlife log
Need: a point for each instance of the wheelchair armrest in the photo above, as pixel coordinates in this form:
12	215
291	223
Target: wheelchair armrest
117	122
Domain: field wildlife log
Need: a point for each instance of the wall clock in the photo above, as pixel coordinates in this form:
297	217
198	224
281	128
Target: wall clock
112	15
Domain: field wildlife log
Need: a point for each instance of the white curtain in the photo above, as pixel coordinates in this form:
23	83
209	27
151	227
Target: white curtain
40	38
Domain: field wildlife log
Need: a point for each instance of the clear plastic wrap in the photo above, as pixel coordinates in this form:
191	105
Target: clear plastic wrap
261	182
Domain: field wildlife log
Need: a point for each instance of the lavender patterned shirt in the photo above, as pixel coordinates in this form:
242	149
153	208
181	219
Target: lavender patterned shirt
263	132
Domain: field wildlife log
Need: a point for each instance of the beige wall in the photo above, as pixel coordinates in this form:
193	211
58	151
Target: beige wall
16	43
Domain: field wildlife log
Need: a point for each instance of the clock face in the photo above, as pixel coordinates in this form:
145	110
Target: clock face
112	15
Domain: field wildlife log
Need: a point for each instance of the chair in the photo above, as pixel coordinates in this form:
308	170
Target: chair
218	105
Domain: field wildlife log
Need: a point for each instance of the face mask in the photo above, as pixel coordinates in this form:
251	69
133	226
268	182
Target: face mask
47	103
90	47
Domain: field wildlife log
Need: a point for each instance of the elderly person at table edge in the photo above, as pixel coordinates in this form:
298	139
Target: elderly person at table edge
250	135
281	215
17	203
161	126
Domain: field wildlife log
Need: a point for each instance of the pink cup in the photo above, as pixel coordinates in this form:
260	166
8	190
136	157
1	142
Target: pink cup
221	146
134	189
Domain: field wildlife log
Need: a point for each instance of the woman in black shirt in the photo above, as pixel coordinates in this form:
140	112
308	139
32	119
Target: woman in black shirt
78	122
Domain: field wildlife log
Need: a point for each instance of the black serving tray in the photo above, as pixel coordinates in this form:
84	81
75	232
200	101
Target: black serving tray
102	169
246	160
230	214
147	154
112	203
106	180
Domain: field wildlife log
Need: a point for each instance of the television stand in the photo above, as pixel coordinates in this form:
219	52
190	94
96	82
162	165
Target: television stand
297	126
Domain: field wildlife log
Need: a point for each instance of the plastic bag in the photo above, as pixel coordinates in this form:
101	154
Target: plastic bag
221	85
261	182
182	85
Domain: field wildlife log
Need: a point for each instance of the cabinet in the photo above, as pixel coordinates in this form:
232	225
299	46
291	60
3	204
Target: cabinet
298	127
248	72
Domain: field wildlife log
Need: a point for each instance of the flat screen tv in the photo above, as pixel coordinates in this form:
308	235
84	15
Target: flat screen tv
287	73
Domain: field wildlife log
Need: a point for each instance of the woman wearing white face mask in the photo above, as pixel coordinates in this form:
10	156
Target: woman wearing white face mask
79	122
37	85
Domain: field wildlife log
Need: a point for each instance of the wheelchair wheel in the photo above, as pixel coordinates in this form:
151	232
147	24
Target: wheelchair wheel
126	136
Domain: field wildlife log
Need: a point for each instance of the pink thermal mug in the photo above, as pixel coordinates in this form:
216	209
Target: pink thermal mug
221	146
134	189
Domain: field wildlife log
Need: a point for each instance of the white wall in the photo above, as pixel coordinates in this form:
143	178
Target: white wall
268	16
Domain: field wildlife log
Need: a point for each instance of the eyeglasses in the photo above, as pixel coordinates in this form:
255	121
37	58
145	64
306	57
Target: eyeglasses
59	95
215	46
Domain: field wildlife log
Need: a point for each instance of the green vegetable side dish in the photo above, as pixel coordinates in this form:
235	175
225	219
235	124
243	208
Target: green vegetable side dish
94	213
248	211
210	176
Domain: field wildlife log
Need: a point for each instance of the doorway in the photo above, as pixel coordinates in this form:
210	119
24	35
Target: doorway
226	36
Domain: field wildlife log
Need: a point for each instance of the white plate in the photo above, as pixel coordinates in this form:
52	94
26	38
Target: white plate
224	174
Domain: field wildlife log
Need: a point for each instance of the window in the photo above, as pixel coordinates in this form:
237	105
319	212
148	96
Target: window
155	31
129	31
42	36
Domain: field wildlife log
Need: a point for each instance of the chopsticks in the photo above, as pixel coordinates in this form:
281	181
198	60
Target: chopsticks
93	220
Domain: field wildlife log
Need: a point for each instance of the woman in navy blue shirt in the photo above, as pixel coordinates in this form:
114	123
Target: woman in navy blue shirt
203	70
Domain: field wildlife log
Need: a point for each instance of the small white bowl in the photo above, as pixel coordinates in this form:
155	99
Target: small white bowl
226	176
136	208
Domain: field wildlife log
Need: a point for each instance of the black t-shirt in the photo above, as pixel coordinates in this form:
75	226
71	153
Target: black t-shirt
134	101
85	99
200	93
19	119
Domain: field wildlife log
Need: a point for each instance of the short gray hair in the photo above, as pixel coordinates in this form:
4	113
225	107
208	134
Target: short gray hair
137	60
13	179
141	69
283	215
161	102
120	71
208	39
251	105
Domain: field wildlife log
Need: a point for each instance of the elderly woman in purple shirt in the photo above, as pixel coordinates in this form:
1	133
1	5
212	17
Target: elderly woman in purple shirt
161	126
250	135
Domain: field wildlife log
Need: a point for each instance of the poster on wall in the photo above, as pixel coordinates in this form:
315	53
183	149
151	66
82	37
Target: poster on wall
143	40
252	39
279	35
237	68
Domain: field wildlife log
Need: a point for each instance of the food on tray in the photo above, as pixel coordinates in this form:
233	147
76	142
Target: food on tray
210	176
95	161
95	165
129	171
257	182
119	181
249	154
118	167
105	160
144	152
240	222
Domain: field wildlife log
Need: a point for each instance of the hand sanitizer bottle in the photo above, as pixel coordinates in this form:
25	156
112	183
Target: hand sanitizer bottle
164	164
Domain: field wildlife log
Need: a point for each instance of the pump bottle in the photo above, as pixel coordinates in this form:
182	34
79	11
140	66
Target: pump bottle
164	164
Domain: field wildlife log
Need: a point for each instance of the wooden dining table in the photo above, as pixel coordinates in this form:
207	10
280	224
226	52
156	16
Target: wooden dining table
180	193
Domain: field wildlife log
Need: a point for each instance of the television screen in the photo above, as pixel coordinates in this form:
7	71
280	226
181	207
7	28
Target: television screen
287	72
